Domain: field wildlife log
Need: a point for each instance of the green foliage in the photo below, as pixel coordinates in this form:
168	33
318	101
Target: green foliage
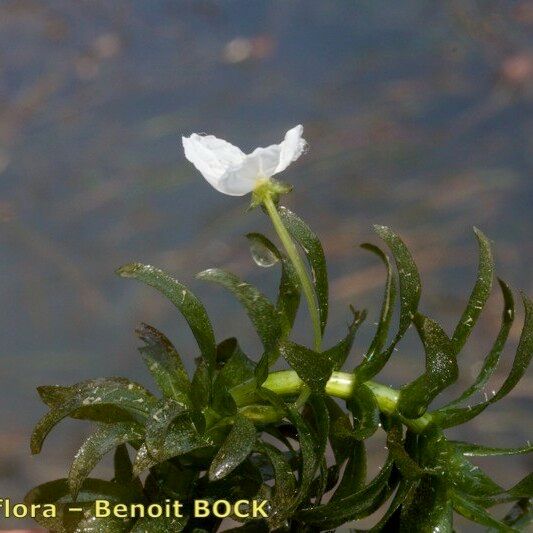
441	369
314	253
234	450
314	368
236	429
264	316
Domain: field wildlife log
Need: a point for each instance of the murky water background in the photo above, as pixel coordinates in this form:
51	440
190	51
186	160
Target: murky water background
417	114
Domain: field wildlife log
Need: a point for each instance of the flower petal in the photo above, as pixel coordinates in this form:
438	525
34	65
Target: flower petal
240	180
227	154
211	156
267	159
292	148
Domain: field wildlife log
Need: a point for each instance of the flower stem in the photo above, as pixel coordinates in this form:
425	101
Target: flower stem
305	282
296	260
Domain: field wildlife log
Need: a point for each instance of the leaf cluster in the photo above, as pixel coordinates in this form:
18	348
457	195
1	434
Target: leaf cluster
234	429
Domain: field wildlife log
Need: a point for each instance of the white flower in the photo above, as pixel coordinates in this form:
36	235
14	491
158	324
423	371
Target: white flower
231	171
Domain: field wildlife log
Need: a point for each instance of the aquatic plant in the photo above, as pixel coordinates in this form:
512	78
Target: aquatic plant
238	430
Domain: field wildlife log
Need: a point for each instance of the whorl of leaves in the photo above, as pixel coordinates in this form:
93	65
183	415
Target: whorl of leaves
227	433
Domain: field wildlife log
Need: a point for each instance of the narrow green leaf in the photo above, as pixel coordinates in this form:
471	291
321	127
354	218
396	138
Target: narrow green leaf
50	493
354	475
405	491
53	395
143	461
225	349
171	479
235	449
279	404
387	307
57	492
449	417
262	462
441	369
317	417
289	286
428	508
468	478
524	352
103	440
408	467
524	488
410	289
261	370
164	363
260	414
431	451
314	368
180	439
320	422
334	472
318	487
339	353
476	513
264	316
409	278
244	482
341	433
223	403
201	387
161	417
455	416
477	450
309	459
56	395
312	248
170	432
358	505
190	307
117	392
284	487
122	465
478	297
365	410
492	359
237	368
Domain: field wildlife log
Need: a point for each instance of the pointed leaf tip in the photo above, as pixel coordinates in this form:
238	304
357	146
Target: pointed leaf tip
130	270
479	295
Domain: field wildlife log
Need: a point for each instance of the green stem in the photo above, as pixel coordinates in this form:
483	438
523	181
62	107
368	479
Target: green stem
340	385
296	260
